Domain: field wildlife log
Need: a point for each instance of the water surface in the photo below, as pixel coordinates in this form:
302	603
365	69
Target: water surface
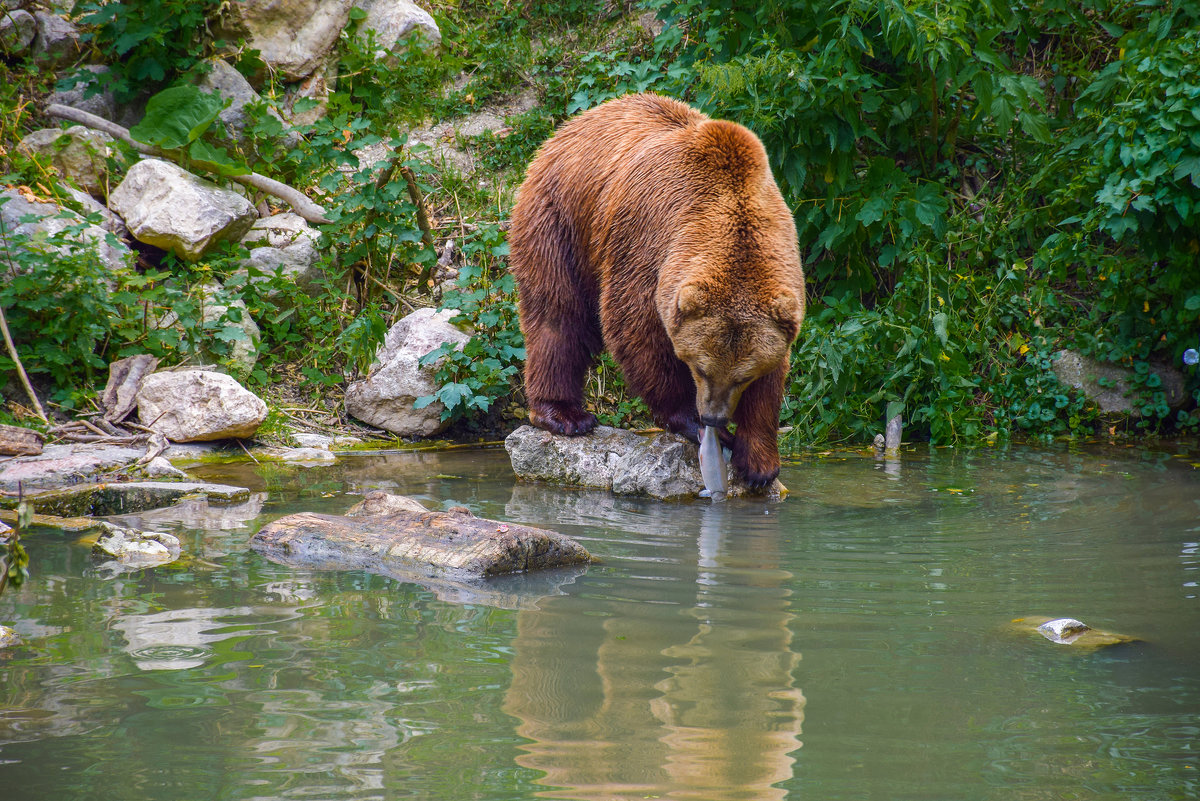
852	642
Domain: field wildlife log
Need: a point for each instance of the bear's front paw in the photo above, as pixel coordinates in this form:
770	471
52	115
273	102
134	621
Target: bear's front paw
757	468
561	417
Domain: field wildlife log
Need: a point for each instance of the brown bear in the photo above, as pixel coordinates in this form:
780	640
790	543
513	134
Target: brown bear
645	227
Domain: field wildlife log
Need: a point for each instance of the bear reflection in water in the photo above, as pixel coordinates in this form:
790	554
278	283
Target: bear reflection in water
673	689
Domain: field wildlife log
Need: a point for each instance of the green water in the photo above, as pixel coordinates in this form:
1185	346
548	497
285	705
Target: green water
853	642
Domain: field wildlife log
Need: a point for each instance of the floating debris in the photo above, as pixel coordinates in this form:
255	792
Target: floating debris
1069	631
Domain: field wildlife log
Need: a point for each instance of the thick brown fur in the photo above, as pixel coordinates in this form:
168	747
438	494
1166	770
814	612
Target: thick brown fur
645	227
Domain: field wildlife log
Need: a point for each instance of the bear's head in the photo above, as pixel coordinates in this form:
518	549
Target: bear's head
729	340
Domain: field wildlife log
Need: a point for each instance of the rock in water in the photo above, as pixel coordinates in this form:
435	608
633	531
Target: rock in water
457	547
1069	631
135	548
661	465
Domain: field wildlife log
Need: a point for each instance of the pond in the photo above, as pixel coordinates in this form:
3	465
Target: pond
855	641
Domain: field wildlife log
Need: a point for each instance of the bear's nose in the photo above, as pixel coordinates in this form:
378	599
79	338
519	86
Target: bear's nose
714	421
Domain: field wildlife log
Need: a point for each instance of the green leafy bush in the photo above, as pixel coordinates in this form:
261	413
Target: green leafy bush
486	370
975	186
148	42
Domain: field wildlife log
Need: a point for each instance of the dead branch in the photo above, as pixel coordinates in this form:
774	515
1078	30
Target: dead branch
296	199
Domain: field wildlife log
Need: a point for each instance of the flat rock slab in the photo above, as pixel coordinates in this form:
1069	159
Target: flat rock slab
453	546
129	496
63	464
70	524
660	465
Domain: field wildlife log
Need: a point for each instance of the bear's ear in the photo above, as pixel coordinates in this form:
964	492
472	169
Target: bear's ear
786	310
691	300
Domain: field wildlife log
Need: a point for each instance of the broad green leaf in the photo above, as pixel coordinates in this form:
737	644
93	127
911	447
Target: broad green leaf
216	159
177	116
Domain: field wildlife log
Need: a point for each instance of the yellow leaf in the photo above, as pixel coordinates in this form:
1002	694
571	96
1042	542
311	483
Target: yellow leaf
944	357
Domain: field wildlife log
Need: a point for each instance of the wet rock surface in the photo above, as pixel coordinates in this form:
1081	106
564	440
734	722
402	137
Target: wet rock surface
660	465
57	465
128	497
133	548
453	546
9	638
1072	632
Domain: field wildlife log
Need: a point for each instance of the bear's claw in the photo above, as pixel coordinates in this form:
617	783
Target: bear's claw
561	418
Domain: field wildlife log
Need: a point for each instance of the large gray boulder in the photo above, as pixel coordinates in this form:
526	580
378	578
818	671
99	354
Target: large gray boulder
659	465
17	31
168	207
395	20
57	40
199	405
283	244
102	103
231	85
47	233
386	396
293	37
78	153
1110	386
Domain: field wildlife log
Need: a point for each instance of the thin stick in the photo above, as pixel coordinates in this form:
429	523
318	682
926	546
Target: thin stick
12	352
293	197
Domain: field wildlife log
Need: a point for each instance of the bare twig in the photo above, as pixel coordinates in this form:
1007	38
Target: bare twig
12	352
293	197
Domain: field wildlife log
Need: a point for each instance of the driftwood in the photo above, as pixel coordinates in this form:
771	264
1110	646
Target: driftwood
18	441
452	546
294	197
124	379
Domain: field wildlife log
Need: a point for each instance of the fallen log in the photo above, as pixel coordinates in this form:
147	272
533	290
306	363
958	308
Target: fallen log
453	546
19	441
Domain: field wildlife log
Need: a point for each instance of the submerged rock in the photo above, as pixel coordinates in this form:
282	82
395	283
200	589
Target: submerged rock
1069	631
132	548
128	497
425	544
9	638
661	465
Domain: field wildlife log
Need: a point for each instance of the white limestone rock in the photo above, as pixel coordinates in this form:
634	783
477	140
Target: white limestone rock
395	20
199	405
293	37
52	220
168	207
386	396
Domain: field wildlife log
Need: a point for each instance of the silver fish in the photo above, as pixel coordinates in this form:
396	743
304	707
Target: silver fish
712	463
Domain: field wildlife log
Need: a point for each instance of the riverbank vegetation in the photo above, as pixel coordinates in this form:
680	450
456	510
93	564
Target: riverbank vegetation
977	186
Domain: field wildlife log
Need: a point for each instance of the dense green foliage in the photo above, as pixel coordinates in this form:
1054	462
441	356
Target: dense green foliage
975	186
147	44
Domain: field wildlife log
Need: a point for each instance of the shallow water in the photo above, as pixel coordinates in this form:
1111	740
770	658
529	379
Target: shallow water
852	642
